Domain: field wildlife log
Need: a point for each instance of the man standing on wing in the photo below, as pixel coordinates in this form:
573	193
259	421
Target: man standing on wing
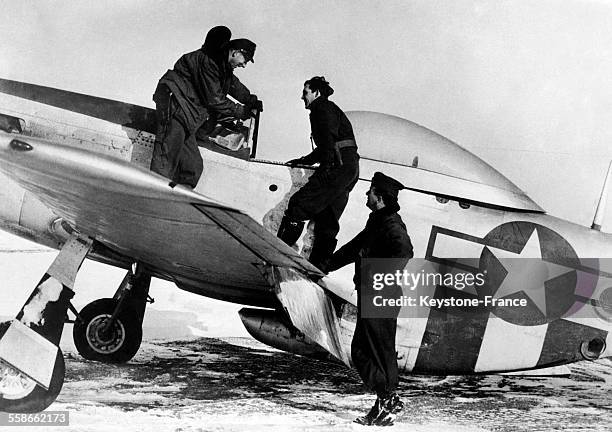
323	198
194	95
373	348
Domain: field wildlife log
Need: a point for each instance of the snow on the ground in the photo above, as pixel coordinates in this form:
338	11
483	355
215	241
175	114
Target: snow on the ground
178	382
237	384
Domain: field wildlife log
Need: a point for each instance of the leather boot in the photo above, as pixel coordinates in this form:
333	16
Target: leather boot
322	250
391	406
372	415
290	230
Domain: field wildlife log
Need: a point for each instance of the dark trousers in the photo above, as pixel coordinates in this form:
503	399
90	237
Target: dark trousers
323	199
374	356
175	154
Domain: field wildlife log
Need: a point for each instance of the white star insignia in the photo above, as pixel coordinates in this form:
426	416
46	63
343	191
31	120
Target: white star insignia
527	272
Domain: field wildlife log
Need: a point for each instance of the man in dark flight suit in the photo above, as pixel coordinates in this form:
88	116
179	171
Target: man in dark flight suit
194	94
373	347
323	198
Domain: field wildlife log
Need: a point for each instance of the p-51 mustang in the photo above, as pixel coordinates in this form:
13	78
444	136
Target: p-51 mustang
74	176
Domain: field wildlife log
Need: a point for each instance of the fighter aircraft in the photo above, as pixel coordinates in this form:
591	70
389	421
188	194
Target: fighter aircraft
75	177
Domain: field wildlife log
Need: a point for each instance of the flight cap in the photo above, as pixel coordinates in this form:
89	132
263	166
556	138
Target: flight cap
387	185
244	45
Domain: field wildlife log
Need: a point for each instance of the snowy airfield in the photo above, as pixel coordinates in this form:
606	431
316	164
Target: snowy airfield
237	384
198	371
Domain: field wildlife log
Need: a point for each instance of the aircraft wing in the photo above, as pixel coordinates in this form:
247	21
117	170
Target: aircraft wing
179	234
310	309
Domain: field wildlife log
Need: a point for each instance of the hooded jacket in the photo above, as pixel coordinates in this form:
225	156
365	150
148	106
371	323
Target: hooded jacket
200	83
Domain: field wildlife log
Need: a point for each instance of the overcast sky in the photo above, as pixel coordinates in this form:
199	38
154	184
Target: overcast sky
524	84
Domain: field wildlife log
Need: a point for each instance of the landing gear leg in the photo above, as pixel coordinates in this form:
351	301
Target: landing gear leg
31	363
109	330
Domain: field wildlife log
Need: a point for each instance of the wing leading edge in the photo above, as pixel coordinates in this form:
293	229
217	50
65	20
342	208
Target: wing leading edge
190	237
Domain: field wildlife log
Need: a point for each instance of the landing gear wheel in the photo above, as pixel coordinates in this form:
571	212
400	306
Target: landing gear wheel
19	394
116	345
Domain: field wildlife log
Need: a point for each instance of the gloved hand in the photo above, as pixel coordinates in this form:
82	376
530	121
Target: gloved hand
258	105
323	267
255	103
294	162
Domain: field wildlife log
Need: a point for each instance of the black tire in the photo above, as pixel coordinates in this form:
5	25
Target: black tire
119	345
37	398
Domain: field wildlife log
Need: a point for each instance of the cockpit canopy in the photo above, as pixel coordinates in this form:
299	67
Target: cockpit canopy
431	163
